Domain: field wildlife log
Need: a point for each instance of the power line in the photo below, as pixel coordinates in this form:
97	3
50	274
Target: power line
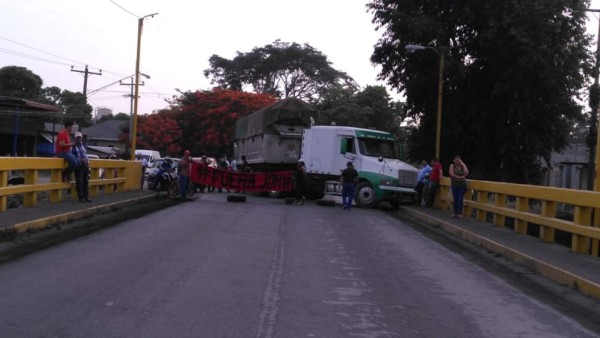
39	50
121	7
8	51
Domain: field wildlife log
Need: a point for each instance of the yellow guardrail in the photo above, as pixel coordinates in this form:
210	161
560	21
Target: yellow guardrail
529	205
118	176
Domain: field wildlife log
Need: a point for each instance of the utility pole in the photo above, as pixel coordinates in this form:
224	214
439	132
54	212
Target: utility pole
132	85
86	73
137	83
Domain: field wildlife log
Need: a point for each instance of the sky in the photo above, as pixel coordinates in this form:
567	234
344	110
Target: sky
50	37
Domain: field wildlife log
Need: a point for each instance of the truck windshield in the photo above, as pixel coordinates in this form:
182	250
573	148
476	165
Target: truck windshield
374	147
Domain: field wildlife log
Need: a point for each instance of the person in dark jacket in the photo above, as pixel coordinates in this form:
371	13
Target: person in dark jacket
348	180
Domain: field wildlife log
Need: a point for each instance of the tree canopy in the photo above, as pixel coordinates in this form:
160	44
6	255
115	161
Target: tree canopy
514	74
202	122
280	69
22	83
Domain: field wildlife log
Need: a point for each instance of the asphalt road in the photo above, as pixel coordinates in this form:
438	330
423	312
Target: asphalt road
209	268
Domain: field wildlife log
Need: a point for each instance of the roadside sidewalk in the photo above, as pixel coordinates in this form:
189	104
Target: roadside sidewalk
554	261
46	214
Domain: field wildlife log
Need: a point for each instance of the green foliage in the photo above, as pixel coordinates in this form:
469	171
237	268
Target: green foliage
75	108
514	71
370	108
20	82
280	69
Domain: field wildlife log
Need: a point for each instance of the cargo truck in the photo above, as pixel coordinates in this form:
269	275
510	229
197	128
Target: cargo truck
278	136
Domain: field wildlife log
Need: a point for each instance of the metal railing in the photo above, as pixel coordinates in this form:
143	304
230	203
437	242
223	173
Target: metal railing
44	175
533	209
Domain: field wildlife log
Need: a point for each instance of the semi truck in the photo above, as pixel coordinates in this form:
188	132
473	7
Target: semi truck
278	136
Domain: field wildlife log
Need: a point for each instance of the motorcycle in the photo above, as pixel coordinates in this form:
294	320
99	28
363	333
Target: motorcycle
169	183
166	181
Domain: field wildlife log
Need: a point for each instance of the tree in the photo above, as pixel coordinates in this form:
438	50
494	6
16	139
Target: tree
73	103
20	82
371	107
75	107
160	132
514	72
280	69
207	118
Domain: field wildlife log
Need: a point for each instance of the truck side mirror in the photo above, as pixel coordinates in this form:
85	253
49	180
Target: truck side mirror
344	146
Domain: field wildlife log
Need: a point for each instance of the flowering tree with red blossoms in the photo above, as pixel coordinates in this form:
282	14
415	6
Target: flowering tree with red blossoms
159	132
207	118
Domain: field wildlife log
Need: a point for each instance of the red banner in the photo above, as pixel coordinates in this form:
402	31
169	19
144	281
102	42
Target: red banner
233	180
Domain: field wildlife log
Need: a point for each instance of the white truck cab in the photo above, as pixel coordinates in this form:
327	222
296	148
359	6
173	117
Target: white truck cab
382	177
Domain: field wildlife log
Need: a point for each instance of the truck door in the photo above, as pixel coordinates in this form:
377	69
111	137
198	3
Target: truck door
348	152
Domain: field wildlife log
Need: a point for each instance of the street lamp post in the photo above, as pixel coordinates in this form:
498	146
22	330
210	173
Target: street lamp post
137	89
438	133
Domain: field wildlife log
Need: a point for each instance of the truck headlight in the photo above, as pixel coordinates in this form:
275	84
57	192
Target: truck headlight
387	181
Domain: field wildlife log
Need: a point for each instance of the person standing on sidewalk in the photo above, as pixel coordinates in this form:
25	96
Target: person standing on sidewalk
82	171
458	177
348	180
434	181
63	150
183	171
423	172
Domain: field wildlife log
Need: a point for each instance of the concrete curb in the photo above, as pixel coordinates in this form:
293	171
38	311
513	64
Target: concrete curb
76	215
547	270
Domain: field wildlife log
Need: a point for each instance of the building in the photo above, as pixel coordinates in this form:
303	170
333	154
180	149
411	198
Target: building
102	112
102	138
22	126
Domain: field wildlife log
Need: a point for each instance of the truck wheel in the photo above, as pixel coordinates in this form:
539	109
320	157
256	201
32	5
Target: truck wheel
365	195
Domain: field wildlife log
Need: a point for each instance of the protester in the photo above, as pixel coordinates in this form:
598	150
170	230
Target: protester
63	150
300	183
245	168
423	172
82	171
348	180
458	184
434	181
183	171
223	164
232	164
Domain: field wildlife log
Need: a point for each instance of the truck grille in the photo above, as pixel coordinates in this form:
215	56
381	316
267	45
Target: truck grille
407	178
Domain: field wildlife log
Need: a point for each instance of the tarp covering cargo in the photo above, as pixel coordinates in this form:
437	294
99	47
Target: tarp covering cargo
290	111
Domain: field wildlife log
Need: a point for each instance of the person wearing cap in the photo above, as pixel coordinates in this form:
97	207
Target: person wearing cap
348	180
183	171
63	150
82	171
300	188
